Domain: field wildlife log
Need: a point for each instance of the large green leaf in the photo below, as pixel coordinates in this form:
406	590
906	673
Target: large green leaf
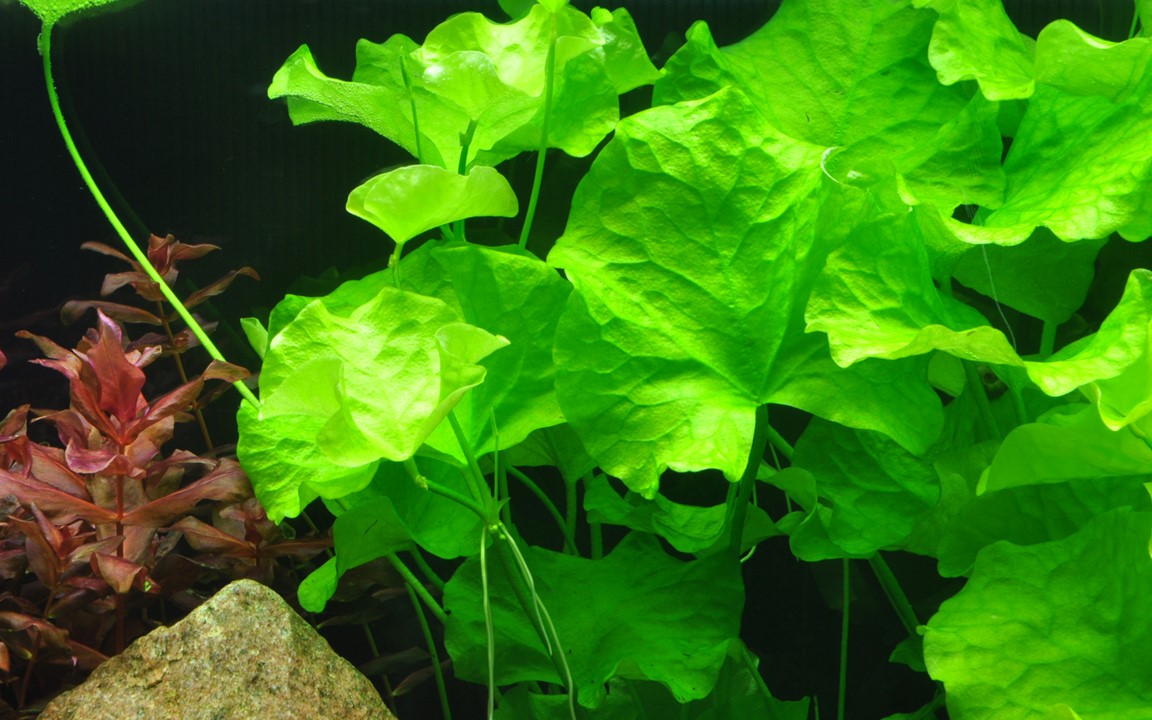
975	40
874	492
1072	444
637	613
1080	163
1032	514
360	382
876	298
853	77
1042	277
407	201
473	77
689	244
1064	623
511	293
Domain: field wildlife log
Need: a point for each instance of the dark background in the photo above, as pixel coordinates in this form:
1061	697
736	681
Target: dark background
171	97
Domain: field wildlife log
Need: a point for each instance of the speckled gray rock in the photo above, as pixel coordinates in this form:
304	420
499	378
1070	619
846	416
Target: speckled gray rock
244	654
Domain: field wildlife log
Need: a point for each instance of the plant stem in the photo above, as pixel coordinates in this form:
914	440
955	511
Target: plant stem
437	671
427	570
490	633
412	104
570	511
895	593
538	178
597	540
554	647
477	476
840	702
437	489
1048	339
569	538
418	587
779	443
976	386
46	52
748	480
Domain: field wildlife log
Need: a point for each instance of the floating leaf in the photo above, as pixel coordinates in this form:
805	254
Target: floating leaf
409	200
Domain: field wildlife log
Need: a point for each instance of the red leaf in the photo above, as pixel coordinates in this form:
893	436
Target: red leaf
123	575
118	381
219	286
54	502
73	310
42	557
226	483
205	538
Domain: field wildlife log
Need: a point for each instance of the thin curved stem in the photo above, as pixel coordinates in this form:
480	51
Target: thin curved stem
748	480
538	178
418	587
569	537
841	700
45	43
437	671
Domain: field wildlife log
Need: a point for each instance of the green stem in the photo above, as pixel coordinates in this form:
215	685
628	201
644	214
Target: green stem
538	178
597	540
490	633
426	570
446	492
441	688
976	386
476	476
569	537
748	480
555	648
570	510
840	702
895	593
412	104
1136	20
133	248
779	443
418	587
1048	339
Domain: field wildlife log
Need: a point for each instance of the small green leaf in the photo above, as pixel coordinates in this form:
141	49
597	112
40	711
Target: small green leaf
318	588
1063	622
975	40
409	200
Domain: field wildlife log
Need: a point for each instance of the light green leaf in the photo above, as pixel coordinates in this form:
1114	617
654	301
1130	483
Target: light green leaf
1042	277
975	40
344	385
637	613
281	458
875	491
1079	163
1059	623
875	298
256	334
484	80
1032	514
510	293
409	200
1070	445
853	77
318	588
675	244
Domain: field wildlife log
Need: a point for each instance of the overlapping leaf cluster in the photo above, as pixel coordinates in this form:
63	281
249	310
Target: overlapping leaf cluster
823	215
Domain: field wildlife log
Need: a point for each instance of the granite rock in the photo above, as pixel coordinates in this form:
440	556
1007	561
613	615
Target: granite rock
244	654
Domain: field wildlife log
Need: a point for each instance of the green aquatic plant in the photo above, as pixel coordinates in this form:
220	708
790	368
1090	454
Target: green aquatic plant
811	217
884	216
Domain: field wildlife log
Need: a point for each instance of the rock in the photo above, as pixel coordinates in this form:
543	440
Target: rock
244	654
